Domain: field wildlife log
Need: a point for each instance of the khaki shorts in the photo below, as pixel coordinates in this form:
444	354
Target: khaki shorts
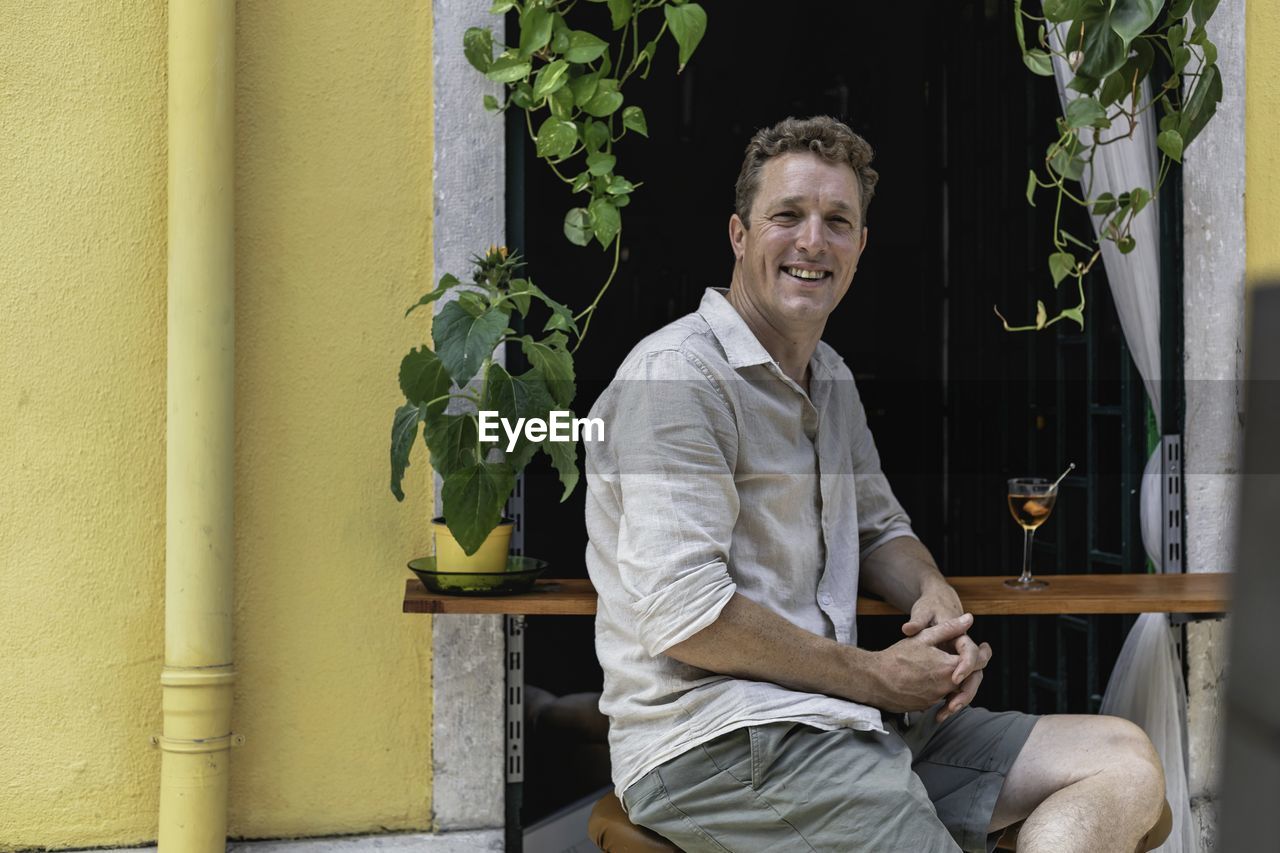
787	786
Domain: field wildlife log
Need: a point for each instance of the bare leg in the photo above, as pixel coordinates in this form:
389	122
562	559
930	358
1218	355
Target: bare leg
1082	783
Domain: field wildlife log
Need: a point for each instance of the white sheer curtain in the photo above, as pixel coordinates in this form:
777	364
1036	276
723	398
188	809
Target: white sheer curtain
1146	685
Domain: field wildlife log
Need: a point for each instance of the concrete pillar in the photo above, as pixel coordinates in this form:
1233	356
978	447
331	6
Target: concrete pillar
1213	302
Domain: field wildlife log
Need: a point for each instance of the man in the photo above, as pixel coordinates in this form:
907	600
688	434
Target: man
733	512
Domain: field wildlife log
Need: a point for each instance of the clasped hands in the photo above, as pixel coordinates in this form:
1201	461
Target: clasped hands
937	661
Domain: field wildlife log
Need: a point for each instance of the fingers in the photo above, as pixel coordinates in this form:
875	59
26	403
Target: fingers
948	630
972	657
921	618
961	697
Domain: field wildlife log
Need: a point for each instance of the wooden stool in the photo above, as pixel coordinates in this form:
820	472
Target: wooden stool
611	831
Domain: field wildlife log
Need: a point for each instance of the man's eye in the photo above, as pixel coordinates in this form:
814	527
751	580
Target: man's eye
785	214
840	222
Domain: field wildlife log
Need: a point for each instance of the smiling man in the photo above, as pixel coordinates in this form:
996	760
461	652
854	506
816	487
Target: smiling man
734	511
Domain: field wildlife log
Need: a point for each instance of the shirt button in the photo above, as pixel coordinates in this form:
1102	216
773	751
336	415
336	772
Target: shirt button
824	598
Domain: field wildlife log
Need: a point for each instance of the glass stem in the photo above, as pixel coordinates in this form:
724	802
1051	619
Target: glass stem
1027	534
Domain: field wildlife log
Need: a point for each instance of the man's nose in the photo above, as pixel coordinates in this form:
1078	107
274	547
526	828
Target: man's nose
812	239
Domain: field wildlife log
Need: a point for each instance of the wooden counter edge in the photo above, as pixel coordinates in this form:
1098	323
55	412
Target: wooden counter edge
1202	593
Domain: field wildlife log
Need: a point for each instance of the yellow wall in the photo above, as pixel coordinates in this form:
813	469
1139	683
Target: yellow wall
333	242
1262	140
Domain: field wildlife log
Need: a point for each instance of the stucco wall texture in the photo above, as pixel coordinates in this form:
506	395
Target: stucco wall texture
1262	140
333	203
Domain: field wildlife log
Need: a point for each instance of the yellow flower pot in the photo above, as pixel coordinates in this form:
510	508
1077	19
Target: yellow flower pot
492	556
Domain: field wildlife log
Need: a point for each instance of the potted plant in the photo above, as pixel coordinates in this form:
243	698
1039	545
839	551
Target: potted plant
480	475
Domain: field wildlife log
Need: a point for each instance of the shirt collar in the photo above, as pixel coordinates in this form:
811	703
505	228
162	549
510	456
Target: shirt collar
741	347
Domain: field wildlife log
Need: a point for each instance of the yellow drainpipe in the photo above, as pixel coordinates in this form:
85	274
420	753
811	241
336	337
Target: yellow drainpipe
199	546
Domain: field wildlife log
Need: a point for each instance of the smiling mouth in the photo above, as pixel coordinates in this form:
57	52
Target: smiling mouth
804	275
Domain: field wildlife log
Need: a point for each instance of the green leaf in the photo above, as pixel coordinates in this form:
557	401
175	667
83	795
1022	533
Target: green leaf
473	303
1210	53
535	29
477	47
1138	199
1126	245
1130	18
1061	265
1177	35
501	7
423	378
491	104
1103	50
452	442
688	24
1181	58
463	342
519	290
1041	314
1202	10
584	88
561	103
508	69
1178	9
633	119
577	226
1076	314
551	356
584	47
619	186
603	104
1071	238
580	182
1082	84
473	501
619	13
606	222
1039	62
564	456
549	79
1057	11
1171	144
599	163
404	429
1085	112
515	397
559	35
1202	104
1104	204
556	139
1032	183
1065	159
595	134
522	95
446	281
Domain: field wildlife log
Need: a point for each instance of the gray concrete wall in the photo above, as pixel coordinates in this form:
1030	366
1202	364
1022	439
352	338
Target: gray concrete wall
469	213
1213	305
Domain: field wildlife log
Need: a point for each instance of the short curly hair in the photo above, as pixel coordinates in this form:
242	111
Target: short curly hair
830	139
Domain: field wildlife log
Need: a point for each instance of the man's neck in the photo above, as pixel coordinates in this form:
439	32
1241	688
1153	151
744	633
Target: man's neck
791	349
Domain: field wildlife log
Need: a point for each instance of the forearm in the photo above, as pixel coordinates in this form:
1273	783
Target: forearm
901	571
748	640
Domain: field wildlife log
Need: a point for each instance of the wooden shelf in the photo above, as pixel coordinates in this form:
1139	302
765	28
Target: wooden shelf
983	596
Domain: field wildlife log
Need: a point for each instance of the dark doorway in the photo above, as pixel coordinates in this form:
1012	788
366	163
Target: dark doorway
956	404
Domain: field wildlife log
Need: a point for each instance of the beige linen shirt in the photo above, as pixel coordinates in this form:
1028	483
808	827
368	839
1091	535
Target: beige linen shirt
719	474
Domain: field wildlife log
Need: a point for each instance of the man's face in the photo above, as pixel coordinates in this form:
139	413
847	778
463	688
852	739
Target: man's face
805	237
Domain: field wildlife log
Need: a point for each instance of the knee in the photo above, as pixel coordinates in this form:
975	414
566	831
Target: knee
1130	753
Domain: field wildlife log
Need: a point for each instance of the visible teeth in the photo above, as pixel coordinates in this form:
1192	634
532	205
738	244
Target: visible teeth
812	275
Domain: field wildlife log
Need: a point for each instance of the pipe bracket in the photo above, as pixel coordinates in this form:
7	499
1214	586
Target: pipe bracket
196	745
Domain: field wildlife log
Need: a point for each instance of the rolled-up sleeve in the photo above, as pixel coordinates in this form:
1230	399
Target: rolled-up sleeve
880	516
673	443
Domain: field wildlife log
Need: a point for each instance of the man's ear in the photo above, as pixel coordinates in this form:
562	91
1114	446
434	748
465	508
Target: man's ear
863	247
738	236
